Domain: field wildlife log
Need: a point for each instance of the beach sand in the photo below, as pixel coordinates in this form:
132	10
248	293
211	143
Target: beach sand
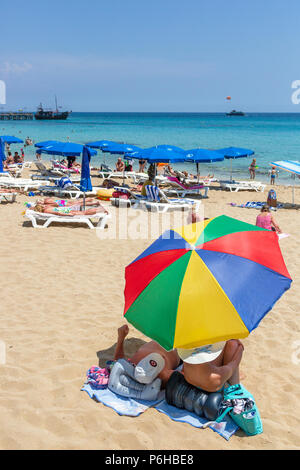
61	304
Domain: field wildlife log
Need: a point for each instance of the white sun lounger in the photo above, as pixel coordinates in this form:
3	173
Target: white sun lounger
72	191
19	183
8	197
44	172
181	190
101	218
158	201
127	174
16	168
236	186
56	165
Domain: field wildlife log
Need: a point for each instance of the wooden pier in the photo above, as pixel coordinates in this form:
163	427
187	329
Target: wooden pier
19	116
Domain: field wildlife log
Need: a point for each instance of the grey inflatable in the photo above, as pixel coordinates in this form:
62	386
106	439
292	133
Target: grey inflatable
122	381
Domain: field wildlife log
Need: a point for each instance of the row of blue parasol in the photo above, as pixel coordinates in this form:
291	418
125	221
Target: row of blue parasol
157	154
171	153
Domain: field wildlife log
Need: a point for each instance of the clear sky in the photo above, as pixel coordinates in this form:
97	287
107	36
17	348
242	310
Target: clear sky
154	55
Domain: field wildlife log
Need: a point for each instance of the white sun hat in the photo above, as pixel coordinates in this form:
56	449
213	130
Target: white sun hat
202	354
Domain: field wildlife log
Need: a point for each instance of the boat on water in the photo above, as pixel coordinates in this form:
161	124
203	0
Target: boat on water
45	114
235	113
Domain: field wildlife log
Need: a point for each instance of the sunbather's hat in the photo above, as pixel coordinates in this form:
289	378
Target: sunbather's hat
202	354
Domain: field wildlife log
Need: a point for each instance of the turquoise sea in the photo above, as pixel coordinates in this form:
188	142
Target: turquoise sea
271	136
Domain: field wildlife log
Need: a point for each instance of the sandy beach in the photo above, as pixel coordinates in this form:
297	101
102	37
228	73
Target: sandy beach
61	304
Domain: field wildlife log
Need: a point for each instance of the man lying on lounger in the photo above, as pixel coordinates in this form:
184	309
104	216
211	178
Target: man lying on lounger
68	210
208	367
49	201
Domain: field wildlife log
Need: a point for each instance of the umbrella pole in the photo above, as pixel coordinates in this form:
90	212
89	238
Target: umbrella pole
123	172
198	176
231	170
294	177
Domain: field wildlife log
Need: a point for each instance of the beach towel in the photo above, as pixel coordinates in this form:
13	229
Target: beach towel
226	428
64	183
122	405
132	407
253	205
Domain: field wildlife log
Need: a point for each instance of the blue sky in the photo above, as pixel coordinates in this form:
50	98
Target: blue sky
158	55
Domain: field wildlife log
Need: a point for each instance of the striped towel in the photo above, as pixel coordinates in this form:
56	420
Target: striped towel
152	193
64	183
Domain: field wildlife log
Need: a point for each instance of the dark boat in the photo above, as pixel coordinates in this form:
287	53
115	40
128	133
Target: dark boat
235	113
43	115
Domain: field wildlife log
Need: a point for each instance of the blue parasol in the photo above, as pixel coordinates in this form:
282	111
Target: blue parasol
10	139
233	153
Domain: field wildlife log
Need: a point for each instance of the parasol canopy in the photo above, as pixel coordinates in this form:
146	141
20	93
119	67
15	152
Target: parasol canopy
204	283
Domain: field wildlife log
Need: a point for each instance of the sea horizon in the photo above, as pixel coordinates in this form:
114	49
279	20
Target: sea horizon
272	136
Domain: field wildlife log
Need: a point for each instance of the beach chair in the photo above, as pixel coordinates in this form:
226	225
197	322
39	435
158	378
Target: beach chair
100	218
15	170
45	172
20	183
133	200
182	190
236	186
71	191
158	201
8	197
105	171
56	165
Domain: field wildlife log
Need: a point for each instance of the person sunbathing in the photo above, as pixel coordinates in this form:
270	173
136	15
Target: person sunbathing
196	177
171	358
48	201
12	190
67	211
210	367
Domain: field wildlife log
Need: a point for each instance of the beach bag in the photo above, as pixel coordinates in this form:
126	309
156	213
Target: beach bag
249	421
120	195
272	198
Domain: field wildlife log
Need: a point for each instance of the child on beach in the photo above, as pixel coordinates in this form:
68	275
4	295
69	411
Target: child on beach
273	173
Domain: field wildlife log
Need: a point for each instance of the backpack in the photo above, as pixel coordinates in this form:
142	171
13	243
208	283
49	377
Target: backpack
272	198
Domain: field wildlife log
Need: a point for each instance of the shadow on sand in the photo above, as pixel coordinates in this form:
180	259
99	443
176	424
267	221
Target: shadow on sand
131	345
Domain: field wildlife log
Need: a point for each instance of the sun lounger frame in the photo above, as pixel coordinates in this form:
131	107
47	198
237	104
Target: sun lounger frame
34	217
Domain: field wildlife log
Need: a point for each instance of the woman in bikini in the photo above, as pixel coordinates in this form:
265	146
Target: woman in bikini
67	211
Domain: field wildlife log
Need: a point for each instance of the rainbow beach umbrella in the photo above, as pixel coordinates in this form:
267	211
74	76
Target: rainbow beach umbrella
204	283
